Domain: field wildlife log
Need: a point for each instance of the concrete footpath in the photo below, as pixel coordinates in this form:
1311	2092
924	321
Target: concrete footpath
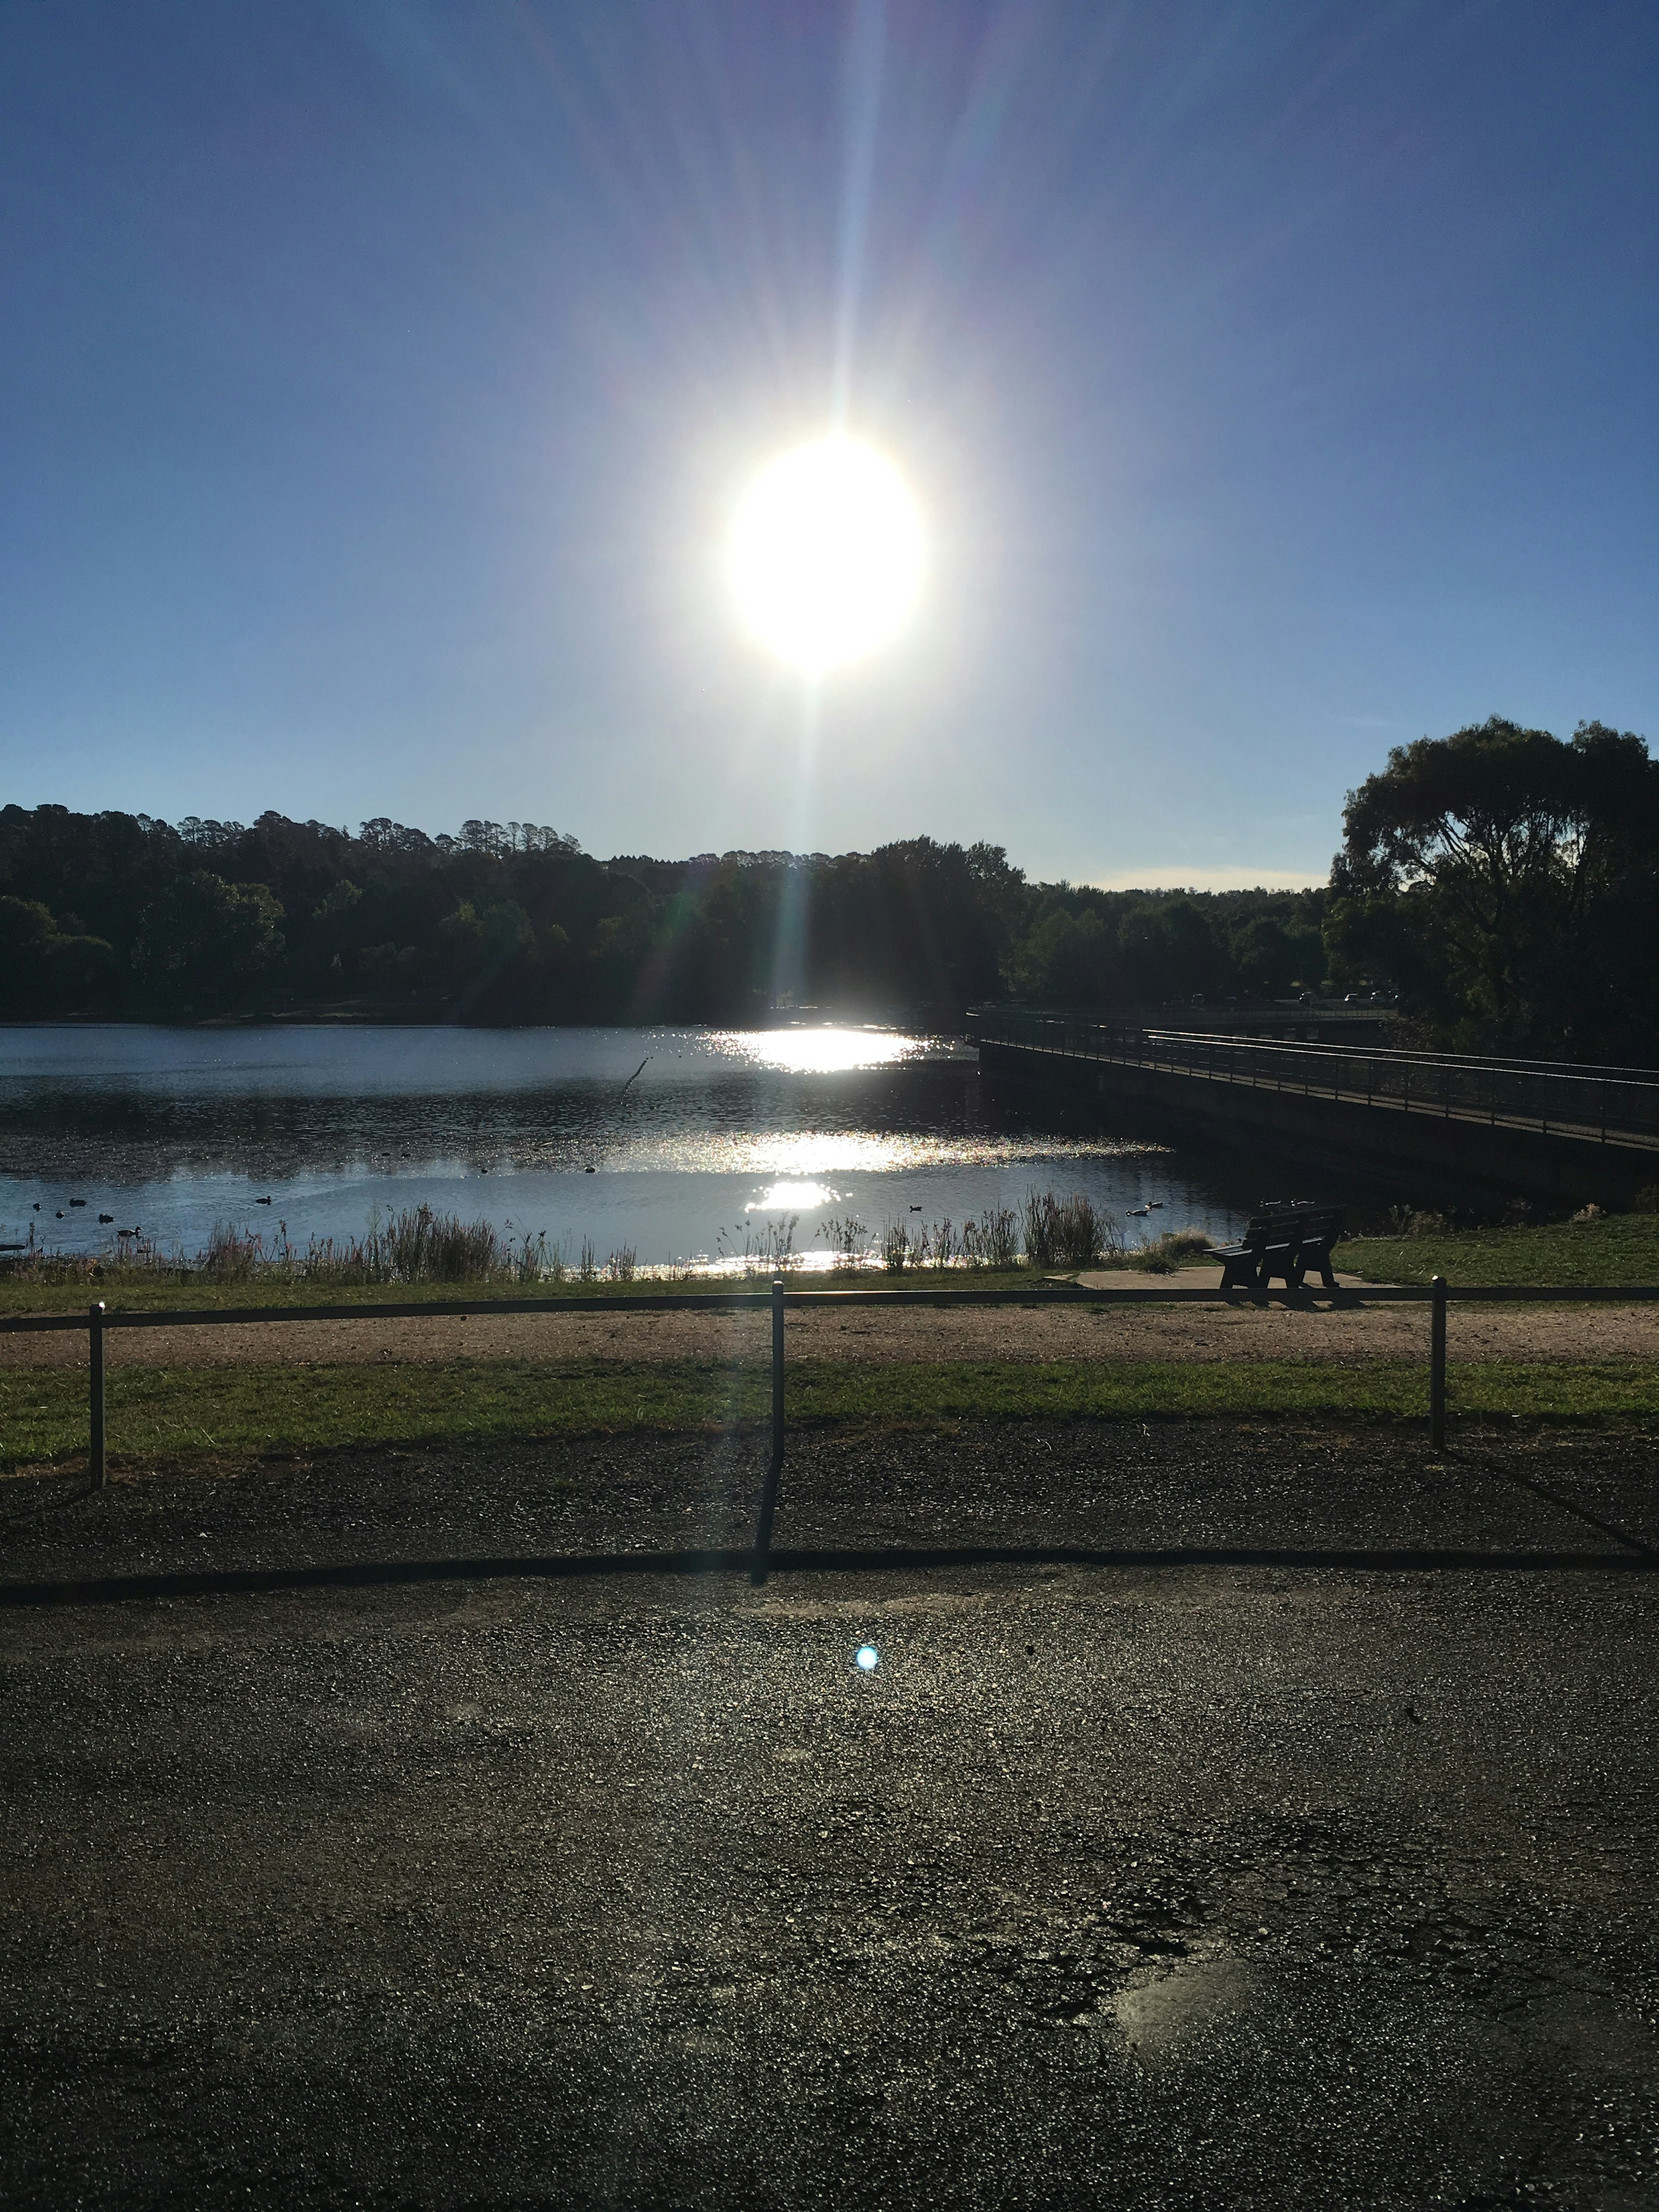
1235	1816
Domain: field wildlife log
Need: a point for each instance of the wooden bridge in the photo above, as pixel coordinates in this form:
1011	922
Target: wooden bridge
1541	1128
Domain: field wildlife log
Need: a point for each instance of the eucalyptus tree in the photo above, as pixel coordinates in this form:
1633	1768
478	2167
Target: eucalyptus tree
1507	881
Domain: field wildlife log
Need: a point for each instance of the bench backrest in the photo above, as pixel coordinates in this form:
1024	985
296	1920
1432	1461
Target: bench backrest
1292	1224
1326	1222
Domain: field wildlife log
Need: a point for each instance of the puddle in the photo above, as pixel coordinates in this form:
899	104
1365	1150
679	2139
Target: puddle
1155	2014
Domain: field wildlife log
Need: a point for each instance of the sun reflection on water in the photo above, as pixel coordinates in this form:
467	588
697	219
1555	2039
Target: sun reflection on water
826	1051
794	1197
817	1155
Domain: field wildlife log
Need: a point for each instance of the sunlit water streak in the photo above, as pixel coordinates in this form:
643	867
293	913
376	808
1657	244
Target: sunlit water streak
718	1140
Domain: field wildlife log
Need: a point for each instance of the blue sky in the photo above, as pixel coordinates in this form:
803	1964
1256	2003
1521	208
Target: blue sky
1279	383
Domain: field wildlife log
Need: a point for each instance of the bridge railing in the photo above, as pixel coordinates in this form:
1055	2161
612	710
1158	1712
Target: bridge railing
1600	1105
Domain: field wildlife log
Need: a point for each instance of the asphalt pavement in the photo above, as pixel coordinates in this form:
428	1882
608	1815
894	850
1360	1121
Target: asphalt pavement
1234	1815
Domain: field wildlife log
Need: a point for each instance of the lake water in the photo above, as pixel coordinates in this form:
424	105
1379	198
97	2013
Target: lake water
713	1144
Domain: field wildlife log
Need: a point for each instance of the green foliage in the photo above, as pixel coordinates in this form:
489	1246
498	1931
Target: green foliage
503	923
1507	884
51	967
1099	950
204	943
1504	884
344	896
1175	1248
1279	954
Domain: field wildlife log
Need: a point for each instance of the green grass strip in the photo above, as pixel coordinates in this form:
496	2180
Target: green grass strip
1616	1248
170	1413
135	1290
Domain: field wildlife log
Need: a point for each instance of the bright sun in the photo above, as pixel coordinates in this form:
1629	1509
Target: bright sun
825	557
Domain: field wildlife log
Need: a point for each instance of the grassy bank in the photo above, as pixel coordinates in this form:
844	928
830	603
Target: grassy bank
187	1291
1611	1249
164	1414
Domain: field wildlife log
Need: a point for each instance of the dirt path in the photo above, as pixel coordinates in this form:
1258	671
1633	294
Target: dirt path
876	1333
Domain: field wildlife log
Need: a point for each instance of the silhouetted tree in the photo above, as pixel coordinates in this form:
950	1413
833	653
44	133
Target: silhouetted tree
203	942
1505	880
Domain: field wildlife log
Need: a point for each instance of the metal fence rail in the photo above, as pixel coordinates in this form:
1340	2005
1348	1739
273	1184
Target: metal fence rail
97	1320
1617	1106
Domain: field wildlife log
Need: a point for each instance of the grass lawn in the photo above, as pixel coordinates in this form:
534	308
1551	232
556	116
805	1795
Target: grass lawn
138	1291
1616	1248
161	1414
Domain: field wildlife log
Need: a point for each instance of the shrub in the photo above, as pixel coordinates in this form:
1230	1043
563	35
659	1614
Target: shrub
1163	1257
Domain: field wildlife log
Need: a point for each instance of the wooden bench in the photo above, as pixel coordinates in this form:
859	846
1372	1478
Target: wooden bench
1285	1240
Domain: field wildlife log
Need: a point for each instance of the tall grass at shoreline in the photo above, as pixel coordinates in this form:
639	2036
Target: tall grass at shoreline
1067	1232
421	1245
417	1245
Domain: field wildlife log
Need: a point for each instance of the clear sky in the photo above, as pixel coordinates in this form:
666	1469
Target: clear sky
1279	382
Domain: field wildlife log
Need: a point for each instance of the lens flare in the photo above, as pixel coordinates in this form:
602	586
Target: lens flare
825	557
867	1658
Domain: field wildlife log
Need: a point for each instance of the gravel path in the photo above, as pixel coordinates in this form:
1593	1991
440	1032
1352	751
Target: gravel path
1275	1851
1202	1333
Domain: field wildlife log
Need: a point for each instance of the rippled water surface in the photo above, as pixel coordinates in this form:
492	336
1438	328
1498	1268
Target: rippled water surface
719	1138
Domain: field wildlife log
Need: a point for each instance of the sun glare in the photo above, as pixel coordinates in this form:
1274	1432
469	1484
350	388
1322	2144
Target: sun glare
825	558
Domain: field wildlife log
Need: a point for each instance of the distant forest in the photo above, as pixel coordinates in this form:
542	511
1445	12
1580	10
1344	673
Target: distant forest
1503	883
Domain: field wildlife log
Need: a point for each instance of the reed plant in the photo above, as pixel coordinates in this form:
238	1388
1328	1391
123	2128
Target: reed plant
769	1247
848	1241
992	1239
234	1255
1067	1232
417	1245
1059	1232
899	1248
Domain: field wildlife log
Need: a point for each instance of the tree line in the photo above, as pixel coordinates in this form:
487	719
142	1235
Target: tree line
1501	883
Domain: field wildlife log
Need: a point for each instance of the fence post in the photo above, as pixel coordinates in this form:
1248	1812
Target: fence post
95	1390
1437	1365
768	1505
